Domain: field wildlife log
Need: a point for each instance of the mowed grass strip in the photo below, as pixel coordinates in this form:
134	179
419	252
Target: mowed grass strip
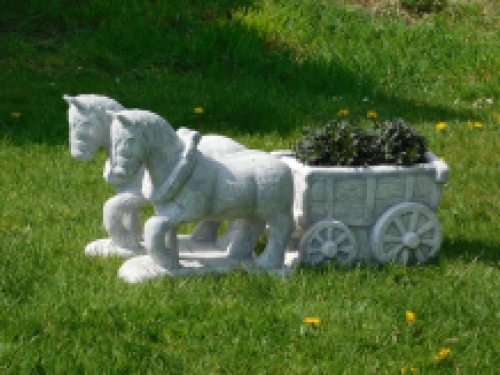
259	70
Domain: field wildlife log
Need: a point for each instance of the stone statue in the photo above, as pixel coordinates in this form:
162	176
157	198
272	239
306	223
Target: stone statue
185	185
341	215
90	127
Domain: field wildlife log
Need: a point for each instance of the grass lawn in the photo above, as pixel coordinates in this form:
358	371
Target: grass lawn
260	69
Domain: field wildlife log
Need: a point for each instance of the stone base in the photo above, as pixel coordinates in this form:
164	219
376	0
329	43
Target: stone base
107	248
197	258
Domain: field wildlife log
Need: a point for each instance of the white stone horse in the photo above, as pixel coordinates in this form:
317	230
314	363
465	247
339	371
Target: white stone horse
187	185
90	128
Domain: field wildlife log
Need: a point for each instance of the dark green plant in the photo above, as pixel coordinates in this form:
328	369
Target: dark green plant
424	6
340	143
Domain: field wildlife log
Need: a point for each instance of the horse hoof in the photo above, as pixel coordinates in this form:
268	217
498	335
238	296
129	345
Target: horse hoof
143	268
267	262
106	247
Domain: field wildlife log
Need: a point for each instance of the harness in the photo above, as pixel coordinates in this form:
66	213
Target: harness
181	171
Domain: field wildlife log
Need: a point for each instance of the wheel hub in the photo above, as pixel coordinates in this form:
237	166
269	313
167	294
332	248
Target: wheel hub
329	249
411	240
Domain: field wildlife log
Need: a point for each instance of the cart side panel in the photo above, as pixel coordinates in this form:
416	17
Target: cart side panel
363	243
336	196
427	190
350	200
390	189
358	196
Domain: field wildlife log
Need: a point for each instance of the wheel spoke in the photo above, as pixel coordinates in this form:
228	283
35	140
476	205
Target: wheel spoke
329	233
413	221
392	253
404	256
340	239
400	225
318	237
421	255
429	242
424	228
345	249
389	238
315	258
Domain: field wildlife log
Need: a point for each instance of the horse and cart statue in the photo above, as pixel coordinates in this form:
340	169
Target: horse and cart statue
311	215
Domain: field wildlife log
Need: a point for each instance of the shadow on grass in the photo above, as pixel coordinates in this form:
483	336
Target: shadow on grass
468	251
170	59
461	249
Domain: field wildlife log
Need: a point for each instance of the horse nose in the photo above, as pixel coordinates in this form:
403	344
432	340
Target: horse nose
119	171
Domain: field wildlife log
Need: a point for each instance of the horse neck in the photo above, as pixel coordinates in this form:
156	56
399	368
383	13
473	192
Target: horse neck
104	128
163	156
106	138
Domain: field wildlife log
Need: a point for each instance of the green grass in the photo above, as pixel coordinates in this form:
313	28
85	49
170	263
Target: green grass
261	70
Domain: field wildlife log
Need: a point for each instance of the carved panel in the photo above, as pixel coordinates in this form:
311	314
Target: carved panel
424	187
390	187
381	205
317	190
351	192
318	209
348	213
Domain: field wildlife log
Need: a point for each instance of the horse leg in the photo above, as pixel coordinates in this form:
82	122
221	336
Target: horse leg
241	236
206	230
114	211
132	223
281	226
155	230
120	214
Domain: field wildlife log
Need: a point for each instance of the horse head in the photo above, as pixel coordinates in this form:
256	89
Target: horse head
89	124
141	138
127	145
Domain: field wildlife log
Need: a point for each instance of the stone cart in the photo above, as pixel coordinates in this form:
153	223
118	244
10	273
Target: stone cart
372	215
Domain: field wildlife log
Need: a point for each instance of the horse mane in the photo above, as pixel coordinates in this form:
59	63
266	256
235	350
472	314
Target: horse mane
97	105
92	102
151	127
161	140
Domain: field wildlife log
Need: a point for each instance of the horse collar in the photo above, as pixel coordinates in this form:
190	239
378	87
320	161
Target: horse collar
182	170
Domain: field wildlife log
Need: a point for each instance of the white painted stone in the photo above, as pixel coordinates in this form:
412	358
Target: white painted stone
90	130
343	215
405	231
378	214
186	185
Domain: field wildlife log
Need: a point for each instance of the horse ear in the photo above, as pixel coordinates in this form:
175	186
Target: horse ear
110	115
74	101
68	98
122	118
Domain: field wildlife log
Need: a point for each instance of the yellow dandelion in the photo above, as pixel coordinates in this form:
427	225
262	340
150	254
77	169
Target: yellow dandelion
410	317
371	114
343	112
443	354
441	125
198	110
412	369
80	68
442	158
478	125
16	114
311	321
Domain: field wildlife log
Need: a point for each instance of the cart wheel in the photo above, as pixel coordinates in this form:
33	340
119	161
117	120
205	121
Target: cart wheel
328	240
406	233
